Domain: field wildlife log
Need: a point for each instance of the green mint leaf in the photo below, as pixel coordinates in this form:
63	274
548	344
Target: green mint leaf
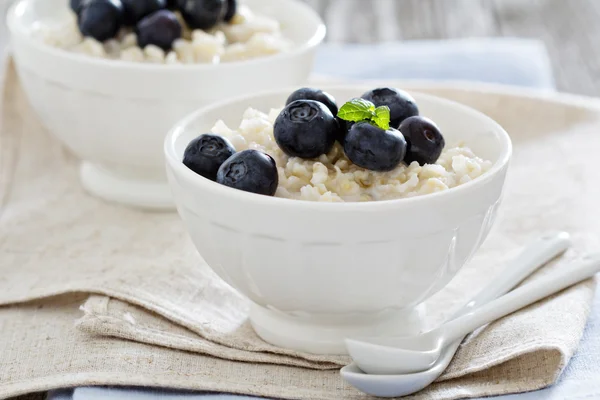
382	117
357	110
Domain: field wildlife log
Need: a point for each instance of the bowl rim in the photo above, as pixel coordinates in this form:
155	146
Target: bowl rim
173	161
315	40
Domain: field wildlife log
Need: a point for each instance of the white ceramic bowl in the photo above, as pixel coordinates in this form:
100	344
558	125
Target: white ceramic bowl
319	272
114	115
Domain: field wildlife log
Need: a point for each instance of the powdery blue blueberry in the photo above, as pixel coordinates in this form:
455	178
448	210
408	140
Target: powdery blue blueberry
373	148
306	129
206	153
424	139
251	171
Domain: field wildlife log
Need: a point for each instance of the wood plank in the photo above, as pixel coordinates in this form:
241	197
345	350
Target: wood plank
569	29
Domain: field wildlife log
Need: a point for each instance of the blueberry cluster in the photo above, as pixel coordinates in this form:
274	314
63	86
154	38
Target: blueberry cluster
154	21
214	157
309	126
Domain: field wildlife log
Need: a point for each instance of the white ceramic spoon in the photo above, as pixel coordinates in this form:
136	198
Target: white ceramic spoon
403	355
533	257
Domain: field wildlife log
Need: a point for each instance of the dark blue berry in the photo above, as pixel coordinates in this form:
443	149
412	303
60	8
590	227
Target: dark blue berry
250	170
317	95
202	14
401	104
306	129
307	93
160	29
424	139
344	128
373	148
135	10
206	153
231	10
75	4
100	19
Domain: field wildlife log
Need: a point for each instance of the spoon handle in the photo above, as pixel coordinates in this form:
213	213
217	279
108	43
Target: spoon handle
534	256
522	297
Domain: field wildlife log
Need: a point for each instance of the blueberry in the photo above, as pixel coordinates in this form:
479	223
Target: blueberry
344	128
314	94
135	10
161	29
100	19
306	129
371	147
231	10
424	139
206	153
75	4
202	14
250	170
401	104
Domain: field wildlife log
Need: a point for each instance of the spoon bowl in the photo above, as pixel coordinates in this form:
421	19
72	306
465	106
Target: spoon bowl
417	353
409	355
395	385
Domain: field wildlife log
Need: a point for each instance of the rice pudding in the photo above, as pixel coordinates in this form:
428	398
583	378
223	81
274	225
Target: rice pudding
355	160
246	35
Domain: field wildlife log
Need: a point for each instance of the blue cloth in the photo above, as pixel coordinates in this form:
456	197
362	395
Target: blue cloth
504	61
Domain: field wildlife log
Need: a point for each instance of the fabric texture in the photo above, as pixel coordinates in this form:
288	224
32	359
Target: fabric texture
161	318
578	381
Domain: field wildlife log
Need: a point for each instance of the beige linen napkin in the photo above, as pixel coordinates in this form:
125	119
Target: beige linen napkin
55	239
45	352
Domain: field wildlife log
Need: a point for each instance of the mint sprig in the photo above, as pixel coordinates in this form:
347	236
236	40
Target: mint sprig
357	110
361	110
382	117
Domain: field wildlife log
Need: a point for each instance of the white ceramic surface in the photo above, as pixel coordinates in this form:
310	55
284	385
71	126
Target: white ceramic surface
389	351
114	115
340	268
534	256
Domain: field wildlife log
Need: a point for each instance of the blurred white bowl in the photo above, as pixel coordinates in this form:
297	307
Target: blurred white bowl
319	272
4	5
114	115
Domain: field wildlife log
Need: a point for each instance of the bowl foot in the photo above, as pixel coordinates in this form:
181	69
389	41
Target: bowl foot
325	334
152	195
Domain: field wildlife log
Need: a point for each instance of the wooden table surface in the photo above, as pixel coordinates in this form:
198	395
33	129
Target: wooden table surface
569	28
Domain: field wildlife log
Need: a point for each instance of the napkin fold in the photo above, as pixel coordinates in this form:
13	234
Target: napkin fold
487	349
160	317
